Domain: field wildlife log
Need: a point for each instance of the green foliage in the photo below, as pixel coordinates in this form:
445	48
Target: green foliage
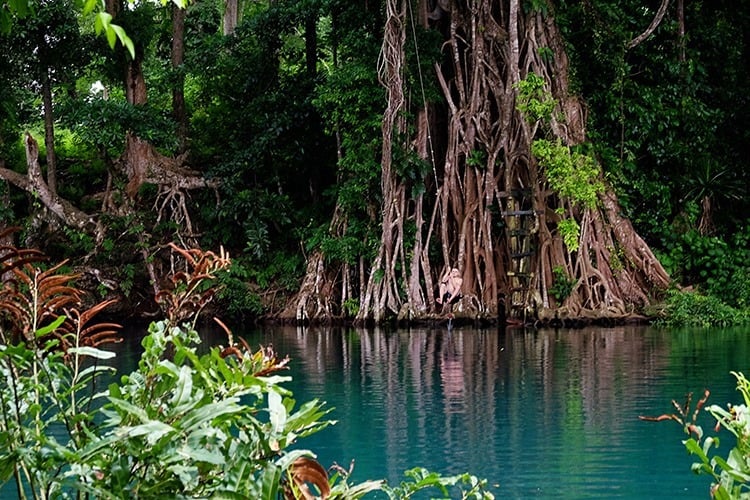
572	173
344	249
351	103
711	264
664	114
197	418
477	159
533	100
562	284
257	129
350	307
126	278
182	424
103	123
690	308
241	299
469	487
570	231
730	473
79	242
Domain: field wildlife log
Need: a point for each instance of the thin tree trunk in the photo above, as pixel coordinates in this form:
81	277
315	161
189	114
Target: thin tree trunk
49	131
311	43
178	59
681	28
231	16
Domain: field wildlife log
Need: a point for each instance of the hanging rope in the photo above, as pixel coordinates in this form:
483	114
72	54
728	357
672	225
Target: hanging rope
424	96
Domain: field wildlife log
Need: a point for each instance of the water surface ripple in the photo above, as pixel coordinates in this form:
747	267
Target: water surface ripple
539	413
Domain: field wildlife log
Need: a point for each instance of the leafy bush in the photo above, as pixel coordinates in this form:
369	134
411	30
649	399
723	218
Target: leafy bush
182	425
690	308
731	475
717	267
562	284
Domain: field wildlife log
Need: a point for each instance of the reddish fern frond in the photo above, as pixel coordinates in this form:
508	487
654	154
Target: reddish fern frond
12	257
689	426
186	254
700	404
660	418
87	315
306	472
96	334
188	295
34	297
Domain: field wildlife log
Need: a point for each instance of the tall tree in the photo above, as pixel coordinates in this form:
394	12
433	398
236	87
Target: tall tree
520	206
178	61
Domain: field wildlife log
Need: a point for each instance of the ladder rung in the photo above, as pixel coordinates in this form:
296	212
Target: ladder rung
518	212
518	274
521	255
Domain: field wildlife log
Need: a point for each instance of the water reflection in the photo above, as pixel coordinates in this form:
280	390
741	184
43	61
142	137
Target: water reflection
539	413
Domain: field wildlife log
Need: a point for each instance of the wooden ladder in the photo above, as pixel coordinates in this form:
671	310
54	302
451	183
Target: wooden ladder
520	231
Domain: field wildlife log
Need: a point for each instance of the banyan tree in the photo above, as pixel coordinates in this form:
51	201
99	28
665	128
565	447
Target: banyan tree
515	197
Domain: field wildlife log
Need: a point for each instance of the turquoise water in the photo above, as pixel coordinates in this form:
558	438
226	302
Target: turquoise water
542	414
539	413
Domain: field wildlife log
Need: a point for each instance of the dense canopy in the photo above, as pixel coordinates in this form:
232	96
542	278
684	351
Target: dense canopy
572	159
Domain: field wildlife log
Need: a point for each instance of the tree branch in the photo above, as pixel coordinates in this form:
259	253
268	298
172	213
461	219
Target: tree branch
654	24
34	184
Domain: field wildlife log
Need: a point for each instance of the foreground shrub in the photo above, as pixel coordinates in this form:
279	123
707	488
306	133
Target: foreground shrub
182	425
730	474
690	308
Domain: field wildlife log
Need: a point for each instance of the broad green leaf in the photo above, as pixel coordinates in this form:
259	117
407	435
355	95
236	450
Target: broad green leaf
111	35
124	39
694	448
203	455
45	330
101	21
270	482
204	414
277	412
130	408
153	430
96	369
92	352
89	5
183	390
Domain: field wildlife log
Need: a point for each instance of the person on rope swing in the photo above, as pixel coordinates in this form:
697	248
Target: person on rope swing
450	287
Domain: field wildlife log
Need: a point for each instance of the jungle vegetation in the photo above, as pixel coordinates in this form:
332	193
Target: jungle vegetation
573	159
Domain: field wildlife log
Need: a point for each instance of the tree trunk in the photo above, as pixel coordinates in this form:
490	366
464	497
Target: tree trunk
49	131
231	16
33	183
494	215
178	59
311	42
141	162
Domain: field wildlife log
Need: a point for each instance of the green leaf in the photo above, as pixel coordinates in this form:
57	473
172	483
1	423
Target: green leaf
101	21
89	5
124	39
183	391
277	411
46	330
270	482
197	417
111	36
694	448
153	430
92	352
129	408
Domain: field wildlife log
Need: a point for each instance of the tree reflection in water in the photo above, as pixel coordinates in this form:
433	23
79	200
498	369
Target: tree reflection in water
533	411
